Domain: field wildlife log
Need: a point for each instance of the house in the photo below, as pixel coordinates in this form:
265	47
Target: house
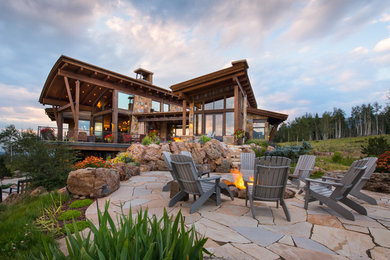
95	102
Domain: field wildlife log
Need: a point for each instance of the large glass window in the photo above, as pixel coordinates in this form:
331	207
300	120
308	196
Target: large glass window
156	106
218	124
218	104
229	123
259	129
198	124
166	107
230	102
209	105
125	101
209	124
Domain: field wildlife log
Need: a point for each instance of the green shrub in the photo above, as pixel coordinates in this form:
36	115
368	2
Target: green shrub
292	152
139	238
69	214
316	174
204	139
146	140
260	142
80	225
337	158
375	146
80	203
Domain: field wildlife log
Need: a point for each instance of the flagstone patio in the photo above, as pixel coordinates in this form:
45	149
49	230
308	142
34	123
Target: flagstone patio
316	233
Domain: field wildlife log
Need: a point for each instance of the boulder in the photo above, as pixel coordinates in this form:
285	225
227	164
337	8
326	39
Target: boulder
62	191
161	166
379	182
289	193
137	150
145	168
165	148
198	155
85	181
224	167
174	148
126	170
38	191
152	153
213	149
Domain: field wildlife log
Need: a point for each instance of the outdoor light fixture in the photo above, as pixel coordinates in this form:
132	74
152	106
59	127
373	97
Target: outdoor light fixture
105	191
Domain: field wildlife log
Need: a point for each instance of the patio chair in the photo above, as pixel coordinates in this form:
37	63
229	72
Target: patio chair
184	171
203	169
303	169
247	164
269	184
168	163
330	197
83	137
356	191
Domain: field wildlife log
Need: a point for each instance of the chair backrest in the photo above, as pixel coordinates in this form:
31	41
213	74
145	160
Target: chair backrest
247	161
82	136
371	166
186	173
168	161
305	166
350	179
270	178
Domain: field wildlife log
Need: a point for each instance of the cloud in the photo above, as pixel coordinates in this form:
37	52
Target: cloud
383	45
360	50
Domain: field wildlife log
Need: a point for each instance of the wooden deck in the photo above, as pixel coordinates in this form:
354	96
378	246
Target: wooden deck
104	147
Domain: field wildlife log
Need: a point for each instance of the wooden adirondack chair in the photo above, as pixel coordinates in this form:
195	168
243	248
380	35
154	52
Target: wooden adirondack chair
270	179
185	173
331	197
303	169
356	191
247	164
203	169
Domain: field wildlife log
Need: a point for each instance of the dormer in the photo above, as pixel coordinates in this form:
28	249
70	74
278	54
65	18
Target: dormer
143	74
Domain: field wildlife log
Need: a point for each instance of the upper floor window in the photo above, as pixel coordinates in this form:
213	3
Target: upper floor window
166	108
125	101
155	106
230	102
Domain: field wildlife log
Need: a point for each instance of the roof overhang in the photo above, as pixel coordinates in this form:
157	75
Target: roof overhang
234	75
274	118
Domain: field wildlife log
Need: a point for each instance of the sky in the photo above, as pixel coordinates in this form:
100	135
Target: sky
303	56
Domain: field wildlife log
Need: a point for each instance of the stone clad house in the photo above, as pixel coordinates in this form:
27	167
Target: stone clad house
95	102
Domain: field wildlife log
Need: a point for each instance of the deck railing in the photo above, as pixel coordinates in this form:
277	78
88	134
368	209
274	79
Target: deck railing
51	134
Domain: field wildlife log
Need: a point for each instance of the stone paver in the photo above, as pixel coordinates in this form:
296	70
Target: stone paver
312	245
256	251
316	233
343	242
289	252
380	253
259	235
381	236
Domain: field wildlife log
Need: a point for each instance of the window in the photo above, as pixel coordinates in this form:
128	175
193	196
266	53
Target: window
209	106
209	124
198	124
155	106
166	108
230	102
218	124
229	123
218	104
259	129
125	101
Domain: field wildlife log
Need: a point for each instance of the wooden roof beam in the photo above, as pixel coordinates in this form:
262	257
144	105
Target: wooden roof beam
70	96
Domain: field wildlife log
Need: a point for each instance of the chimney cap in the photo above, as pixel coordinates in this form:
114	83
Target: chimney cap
143	72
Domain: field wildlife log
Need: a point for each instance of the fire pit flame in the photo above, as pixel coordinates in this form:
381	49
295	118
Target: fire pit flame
177	139
238	180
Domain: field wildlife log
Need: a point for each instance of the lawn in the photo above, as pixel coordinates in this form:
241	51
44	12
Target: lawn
19	236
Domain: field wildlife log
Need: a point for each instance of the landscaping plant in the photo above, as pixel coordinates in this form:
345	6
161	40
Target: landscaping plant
123	158
139	238
292	152
204	139
80	203
69	214
92	162
383	163
375	146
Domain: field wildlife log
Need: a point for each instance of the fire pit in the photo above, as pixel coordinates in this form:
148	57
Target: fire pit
238	185
177	140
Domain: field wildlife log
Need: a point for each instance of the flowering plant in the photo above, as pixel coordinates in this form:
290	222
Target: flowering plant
123	158
239	133
92	162
383	163
47	133
109	138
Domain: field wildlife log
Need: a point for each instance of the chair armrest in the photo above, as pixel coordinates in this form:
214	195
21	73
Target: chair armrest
330	178
308	180
212	178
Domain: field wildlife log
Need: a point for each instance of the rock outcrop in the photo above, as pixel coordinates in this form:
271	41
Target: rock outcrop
85	181
213	153
379	182
126	171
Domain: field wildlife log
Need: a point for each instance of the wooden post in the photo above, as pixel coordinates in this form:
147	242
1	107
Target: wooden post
191	119
60	122
184	117
237	95
77	112
244	112
70	97
115	115
273	132
266	131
